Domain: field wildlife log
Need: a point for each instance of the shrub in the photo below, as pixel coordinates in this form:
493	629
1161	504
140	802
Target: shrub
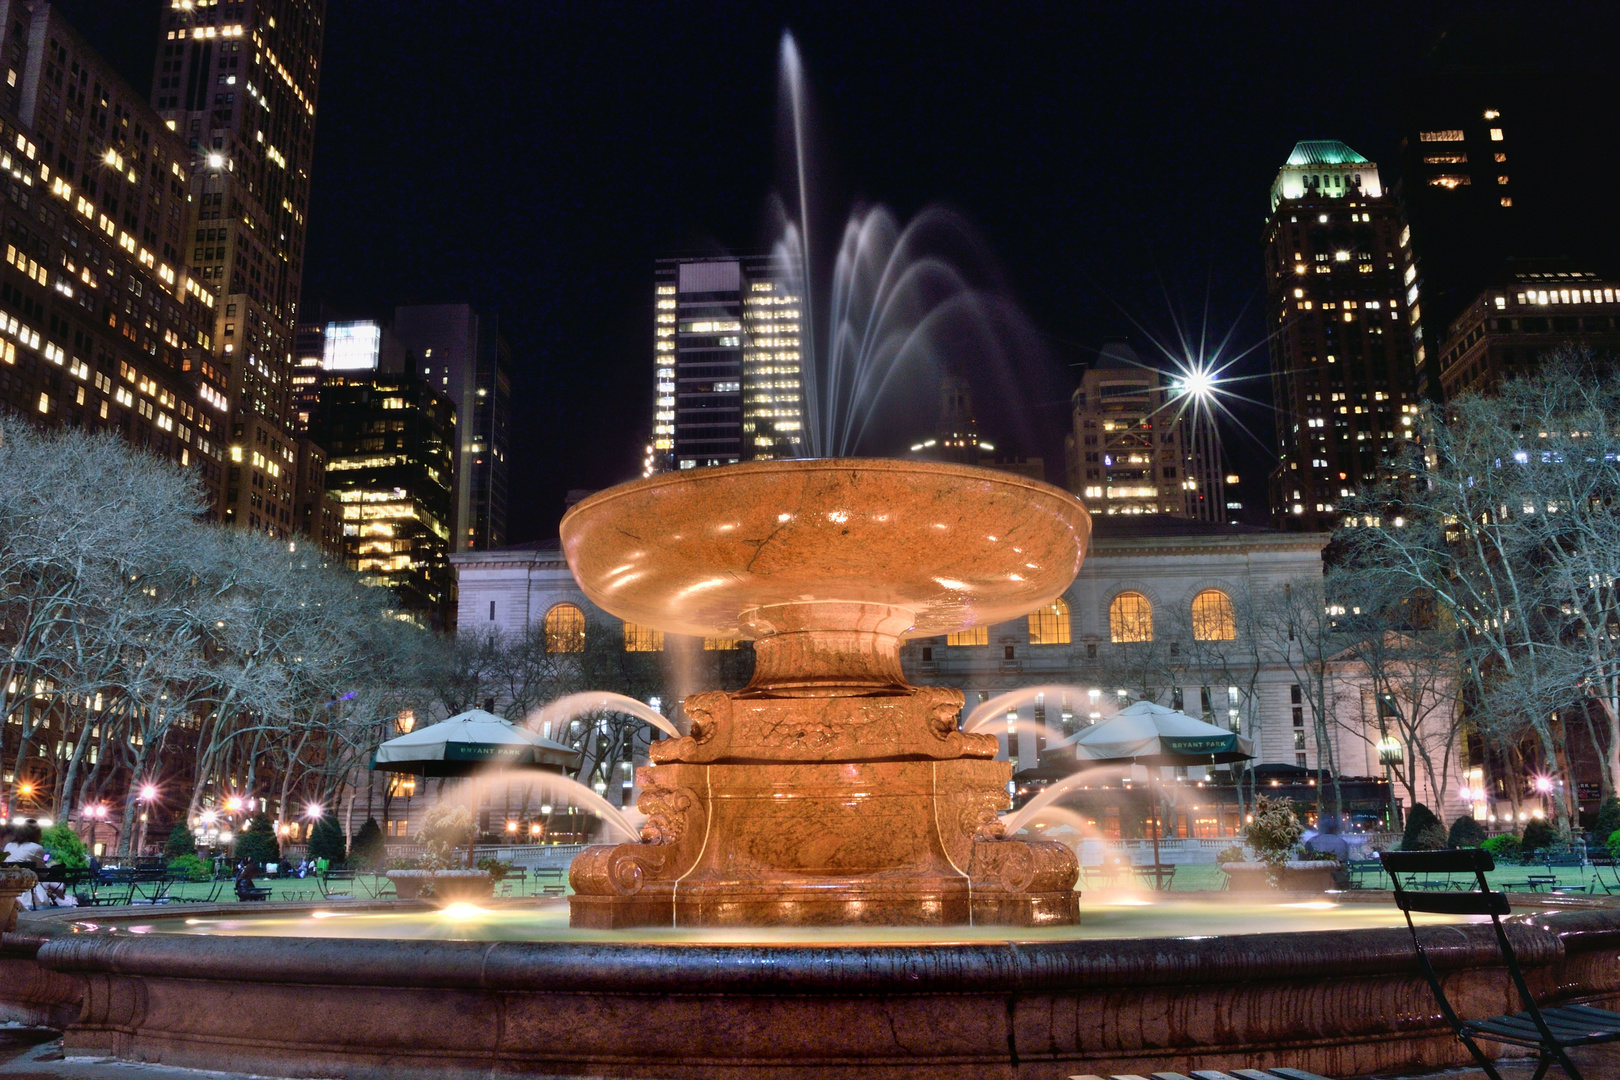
65	847
1614	843
445	827
1608	819
1274	831
326	841
369	848
496	867
180	842
1233	853
1504	848
1538	835
257	843
190	867
1466	832
1424	831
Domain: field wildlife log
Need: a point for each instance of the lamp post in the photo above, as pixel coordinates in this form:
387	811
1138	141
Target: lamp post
1391	755
146	797
1544	786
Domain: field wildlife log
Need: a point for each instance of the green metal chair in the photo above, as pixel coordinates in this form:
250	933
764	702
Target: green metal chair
1549	1032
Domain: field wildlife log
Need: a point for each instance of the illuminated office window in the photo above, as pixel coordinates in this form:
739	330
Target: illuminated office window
642	638
977	635
1130	618
1049	625
565	629
1212	616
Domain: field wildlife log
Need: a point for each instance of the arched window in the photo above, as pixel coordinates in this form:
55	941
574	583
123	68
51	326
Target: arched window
1049	625
642	638
565	629
1212	617
1130	618
973	635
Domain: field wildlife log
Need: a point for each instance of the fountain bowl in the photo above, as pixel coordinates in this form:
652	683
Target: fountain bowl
723	552
829	791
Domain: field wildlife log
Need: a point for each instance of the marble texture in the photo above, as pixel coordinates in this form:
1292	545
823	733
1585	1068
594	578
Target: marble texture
14	881
1338	1003
828	791
716	552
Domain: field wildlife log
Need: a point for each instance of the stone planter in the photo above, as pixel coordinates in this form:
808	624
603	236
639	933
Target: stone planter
14	881
1296	876
408	883
462	886
448	886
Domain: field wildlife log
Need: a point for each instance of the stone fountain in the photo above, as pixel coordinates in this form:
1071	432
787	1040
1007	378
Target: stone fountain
828	791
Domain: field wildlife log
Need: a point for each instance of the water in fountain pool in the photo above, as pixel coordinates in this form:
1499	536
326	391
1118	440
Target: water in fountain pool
1115	916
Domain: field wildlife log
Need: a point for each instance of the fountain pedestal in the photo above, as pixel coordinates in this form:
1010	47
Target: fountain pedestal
829	791
797	843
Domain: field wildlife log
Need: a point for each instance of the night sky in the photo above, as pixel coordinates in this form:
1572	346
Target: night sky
535	159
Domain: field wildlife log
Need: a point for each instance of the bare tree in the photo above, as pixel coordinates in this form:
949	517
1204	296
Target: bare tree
1506	518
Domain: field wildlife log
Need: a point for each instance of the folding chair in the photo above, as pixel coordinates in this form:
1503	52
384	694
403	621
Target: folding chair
1549	1032
1273	1073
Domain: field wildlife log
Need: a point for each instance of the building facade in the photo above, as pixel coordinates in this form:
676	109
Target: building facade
1341	349
727	363
389	441
461	352
237	83
1157	582
1137	447
102	323
1526	314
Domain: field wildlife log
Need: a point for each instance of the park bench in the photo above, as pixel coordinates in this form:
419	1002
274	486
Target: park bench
1360	868
1275	1072
1537	882
247	893
555	881
1549	1032
514	881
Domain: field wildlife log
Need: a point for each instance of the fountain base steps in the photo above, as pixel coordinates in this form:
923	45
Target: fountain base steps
824	844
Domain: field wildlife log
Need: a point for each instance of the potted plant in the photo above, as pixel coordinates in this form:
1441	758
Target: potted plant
444	828
1273	835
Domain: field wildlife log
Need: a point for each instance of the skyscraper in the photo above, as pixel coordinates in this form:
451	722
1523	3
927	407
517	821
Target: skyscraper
1457	196
1532	309
1341	347
237	82
389	440
1136	449
461	353
727	365
102	325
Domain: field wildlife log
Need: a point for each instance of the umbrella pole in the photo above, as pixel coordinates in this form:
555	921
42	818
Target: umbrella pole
1158	880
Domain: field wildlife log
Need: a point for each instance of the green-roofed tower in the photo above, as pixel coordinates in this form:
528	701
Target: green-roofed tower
1341	347
1326	166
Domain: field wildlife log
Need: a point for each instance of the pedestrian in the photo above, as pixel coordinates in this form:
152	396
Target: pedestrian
25	846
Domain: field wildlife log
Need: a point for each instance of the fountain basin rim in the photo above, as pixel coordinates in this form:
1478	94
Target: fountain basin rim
968	472
764	548
945	966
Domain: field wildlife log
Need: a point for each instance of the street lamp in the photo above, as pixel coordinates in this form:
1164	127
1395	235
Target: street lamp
1391	756
147	795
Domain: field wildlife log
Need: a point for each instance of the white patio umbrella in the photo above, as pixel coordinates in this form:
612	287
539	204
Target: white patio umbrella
1148	734
470	742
